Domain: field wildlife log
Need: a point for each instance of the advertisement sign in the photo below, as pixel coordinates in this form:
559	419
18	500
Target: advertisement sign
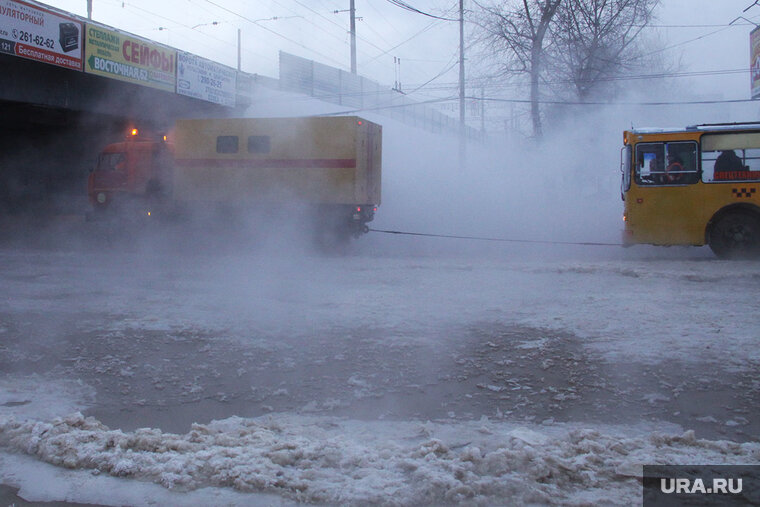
119	56
754	63
205	80
38	34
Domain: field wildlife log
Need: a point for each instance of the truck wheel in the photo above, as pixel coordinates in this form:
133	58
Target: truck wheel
735	236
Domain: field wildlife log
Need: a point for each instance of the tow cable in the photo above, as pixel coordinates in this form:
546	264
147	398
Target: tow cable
502	240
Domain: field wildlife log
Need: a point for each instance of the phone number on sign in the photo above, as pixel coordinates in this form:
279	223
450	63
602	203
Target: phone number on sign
30	38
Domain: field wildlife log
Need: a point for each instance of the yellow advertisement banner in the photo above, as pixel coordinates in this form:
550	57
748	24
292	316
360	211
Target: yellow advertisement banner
119	56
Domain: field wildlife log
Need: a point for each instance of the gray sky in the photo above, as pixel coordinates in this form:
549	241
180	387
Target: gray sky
697	33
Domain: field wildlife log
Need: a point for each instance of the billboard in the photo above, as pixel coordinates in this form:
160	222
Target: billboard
116	55
31	32
206	80
754	63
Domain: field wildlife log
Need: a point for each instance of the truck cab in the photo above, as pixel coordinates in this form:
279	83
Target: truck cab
130	176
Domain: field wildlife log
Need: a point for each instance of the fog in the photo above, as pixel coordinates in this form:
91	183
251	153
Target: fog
492	356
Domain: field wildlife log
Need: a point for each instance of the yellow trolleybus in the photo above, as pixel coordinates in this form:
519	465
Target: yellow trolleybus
693	186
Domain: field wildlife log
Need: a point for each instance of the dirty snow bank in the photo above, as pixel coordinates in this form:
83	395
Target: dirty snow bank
338	461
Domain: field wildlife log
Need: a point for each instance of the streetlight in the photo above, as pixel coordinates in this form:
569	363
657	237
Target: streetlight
215	23
239	34
204	24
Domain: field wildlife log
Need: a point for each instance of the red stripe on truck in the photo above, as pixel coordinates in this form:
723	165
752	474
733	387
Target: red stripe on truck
278	163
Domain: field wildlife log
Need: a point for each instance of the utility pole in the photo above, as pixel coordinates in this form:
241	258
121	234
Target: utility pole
352	9
462	126
483	112
397	70
89	10
240	48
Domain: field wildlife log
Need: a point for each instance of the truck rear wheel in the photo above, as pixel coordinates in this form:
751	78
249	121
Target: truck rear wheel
735	236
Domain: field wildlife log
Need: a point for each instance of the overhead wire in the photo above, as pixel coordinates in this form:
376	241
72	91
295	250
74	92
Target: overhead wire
172	22
614	103
425	86
372	6
479	83
274	32
134	7
723	27
406	6
450	65
338	25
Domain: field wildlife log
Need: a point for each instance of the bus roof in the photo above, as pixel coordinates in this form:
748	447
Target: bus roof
705	127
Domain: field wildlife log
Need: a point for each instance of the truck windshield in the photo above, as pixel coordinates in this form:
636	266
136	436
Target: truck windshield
110	161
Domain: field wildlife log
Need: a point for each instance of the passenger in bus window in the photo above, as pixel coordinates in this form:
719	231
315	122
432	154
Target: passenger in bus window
656	175
648	167
674	170
727	161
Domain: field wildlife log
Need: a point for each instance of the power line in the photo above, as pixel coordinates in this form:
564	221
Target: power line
428	27
406	6
600	103
725	27
389	106
693	26
272	31
446	69
381	15
484	82
363	39
132	6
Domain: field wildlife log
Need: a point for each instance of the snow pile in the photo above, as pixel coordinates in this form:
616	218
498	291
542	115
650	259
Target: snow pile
336	461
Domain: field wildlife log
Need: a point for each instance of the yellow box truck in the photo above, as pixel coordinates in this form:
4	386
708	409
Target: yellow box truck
330	166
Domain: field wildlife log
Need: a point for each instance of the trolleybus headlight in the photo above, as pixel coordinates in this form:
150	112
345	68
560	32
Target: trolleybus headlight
101	197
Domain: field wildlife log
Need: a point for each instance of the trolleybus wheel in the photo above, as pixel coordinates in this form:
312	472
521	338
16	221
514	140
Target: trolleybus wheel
735	236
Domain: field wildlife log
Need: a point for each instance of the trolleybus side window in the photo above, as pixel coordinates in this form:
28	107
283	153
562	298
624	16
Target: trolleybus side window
666	163
731	157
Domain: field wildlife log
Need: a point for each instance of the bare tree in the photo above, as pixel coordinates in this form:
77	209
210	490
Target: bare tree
564	44
594	41
516	32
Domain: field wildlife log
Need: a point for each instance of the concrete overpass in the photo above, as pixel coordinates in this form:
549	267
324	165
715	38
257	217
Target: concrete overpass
55	120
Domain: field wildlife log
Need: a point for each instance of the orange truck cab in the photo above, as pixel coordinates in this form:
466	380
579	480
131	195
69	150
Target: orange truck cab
131	175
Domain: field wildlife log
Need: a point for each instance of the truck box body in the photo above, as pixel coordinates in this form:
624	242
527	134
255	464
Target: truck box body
318	160
328	166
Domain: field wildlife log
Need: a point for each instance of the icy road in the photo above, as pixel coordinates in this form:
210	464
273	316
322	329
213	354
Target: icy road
145	376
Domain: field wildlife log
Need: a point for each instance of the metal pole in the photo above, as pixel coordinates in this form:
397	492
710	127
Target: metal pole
89	9
483	112
239	50
462	126
352	9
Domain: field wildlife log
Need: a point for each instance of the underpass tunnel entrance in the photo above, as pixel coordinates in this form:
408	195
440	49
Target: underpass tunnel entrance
46	155
55	123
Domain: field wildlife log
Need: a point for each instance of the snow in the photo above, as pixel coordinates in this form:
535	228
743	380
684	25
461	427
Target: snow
634	307
340	461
